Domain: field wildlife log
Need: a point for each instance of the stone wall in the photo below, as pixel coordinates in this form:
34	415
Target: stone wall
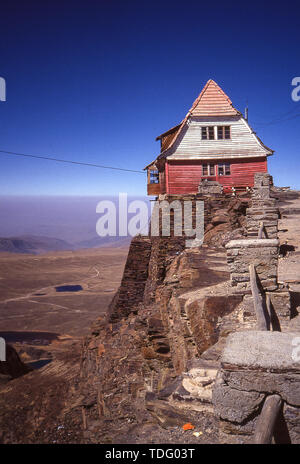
263	208
254	365
131	290
210	187
263	253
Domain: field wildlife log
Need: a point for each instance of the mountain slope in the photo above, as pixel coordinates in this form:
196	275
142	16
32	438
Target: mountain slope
32	244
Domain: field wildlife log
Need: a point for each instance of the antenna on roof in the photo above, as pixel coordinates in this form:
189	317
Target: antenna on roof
246	111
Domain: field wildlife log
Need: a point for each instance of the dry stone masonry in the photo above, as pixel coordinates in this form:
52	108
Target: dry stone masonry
263	208
263	253
254	365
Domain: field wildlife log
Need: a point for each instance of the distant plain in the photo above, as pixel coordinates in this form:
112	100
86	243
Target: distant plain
29	300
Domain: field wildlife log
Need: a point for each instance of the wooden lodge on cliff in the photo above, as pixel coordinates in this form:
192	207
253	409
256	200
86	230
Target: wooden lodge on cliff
214	142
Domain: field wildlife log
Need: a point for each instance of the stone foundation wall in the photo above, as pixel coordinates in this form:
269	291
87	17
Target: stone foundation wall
131	290
263	253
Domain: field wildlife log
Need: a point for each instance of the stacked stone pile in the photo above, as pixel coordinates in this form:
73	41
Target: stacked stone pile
263	208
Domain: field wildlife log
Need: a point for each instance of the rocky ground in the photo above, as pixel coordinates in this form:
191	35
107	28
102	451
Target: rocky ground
289	262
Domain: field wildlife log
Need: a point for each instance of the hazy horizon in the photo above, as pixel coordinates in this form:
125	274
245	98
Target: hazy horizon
69	218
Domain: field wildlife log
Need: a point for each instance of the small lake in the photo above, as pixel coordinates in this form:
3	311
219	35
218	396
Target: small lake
69	288
39	363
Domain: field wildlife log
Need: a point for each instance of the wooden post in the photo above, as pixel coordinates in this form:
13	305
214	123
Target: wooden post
257	300
167	176
261	229
83	418
268	303
267	419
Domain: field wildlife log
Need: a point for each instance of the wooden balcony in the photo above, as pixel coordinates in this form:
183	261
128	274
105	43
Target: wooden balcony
153	189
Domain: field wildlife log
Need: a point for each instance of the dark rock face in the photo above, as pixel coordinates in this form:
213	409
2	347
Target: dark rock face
204	314
13	367
42	406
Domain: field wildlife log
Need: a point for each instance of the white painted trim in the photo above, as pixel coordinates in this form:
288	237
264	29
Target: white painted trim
251	131
213	157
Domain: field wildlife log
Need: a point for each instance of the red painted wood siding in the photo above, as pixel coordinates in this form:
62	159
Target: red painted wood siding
184	176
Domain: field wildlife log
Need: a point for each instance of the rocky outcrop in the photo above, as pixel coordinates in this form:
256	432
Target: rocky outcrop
150	257
131	361
129	365
13	367
204	315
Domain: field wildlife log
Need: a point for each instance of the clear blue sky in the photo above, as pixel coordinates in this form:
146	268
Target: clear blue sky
96	81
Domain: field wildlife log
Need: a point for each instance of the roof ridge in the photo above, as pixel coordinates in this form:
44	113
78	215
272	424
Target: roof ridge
219	90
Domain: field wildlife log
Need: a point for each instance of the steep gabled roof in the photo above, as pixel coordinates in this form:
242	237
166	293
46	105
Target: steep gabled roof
212	101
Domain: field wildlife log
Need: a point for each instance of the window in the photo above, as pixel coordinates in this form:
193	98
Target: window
208	170
224	169
154	177
223	132
208	133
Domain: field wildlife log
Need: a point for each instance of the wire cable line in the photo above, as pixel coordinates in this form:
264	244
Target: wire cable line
277	121
49	158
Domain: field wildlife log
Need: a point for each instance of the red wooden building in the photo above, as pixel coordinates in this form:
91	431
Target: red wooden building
214	141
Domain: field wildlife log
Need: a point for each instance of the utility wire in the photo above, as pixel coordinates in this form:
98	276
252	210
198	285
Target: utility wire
280	118
70	162
277	121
